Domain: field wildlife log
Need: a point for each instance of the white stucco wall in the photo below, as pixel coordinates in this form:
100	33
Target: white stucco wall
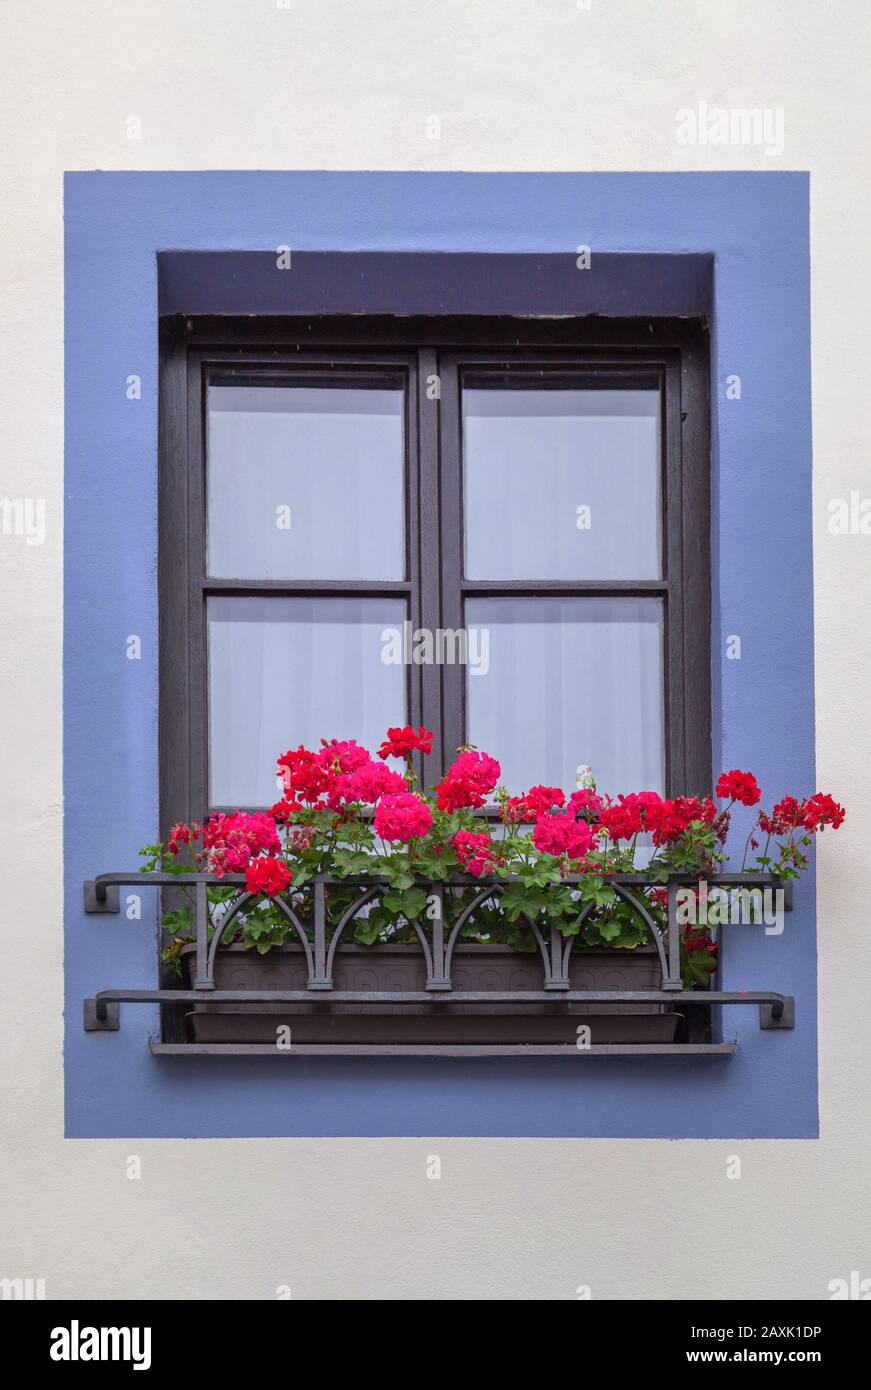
351	84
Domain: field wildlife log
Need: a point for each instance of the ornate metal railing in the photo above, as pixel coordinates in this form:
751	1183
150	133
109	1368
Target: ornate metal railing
320	938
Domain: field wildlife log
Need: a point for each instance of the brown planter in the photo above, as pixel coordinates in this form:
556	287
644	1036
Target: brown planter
475	967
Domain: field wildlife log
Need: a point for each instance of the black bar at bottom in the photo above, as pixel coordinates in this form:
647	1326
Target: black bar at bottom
63	1338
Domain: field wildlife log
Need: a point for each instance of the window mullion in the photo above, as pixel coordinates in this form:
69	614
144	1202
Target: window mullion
452	612
677	782
425	558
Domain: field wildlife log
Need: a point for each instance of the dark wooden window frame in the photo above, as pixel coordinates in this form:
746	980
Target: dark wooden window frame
674	353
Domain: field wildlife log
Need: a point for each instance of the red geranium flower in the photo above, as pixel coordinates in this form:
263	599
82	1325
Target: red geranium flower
467	782
371	782
785	817
305	774
233	841
401	743
560	833
700	942
538	800
622	820
739	786
182	834
586	803
403	817
694	808
821	809
345	756
668	819
476	852
267	875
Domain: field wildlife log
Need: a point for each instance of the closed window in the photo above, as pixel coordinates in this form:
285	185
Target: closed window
497	530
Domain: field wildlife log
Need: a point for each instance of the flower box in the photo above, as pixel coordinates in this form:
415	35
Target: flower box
361	884
476	967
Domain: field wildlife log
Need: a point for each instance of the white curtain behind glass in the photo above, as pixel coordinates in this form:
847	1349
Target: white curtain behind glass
334	457
572	681
285	671
533	457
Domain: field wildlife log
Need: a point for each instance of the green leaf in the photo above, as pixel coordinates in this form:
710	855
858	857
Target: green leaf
351	861
355	833
432	865
178	920
570	928
399	878
518	901
409	904
591	886
220	895
368	929
521	939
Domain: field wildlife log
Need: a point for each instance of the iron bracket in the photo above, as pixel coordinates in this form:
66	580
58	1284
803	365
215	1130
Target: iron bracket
780	1014
102	1015
101	897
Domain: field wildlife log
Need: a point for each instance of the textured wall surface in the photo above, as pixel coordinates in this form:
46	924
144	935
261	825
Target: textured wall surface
323	85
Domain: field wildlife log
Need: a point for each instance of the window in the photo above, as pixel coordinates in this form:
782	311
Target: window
533	495
306	490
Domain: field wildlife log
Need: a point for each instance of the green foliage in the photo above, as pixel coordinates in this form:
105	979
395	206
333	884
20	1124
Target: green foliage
696	967
159	860
179	920
408	904
351	861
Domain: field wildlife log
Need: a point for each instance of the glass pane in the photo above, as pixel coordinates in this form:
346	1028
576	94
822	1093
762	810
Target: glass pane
306	482
570	681
562	483
286	671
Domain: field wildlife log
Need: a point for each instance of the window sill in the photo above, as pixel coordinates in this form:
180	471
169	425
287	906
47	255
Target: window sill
159	1049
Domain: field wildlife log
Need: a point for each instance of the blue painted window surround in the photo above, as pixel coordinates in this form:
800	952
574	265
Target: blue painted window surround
731	246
